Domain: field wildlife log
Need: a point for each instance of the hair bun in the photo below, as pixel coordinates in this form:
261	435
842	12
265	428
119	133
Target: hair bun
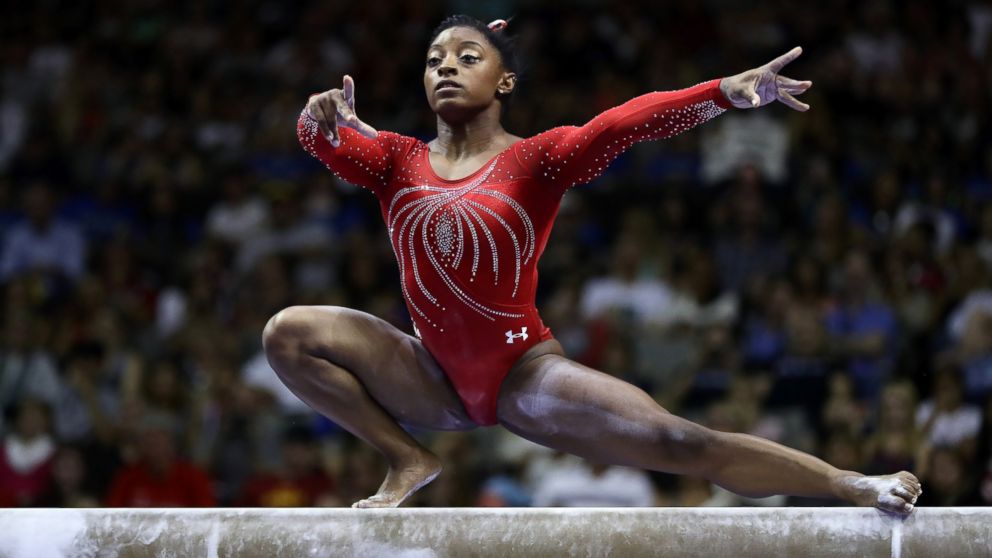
497	25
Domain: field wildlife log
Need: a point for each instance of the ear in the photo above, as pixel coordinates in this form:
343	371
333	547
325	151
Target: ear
506	83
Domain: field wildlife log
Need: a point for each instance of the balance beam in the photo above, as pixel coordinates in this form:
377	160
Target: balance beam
503	532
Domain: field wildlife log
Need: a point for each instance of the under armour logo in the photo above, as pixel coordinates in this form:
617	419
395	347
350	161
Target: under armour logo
510	336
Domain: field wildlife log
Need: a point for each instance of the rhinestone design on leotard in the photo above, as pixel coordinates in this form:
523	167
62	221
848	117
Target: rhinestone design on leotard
451	212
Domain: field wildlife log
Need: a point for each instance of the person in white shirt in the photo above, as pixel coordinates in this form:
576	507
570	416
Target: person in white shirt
945	419
584	484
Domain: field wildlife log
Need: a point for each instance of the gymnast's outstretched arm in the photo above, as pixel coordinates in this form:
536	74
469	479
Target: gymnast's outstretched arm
569	155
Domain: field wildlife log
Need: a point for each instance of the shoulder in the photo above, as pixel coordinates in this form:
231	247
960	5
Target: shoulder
535	149
395	137
398	144
550	137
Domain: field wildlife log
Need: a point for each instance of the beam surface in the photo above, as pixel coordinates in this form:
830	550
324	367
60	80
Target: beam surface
504	532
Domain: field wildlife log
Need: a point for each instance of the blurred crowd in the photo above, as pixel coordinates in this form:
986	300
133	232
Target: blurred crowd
821	279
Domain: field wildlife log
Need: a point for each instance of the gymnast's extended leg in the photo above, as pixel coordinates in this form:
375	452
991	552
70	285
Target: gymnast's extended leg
367	376
570	407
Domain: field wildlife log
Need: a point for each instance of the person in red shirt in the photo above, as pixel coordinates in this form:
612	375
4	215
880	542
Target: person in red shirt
26	456
468	216
160	478
298	481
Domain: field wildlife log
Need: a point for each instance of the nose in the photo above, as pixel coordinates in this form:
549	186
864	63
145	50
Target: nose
446	68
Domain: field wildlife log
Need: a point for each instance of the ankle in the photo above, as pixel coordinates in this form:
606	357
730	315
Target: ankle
842	484
411	457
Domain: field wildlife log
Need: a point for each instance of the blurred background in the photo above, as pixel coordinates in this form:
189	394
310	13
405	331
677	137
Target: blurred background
821	279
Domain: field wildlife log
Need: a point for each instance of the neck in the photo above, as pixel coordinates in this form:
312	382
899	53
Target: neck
461	139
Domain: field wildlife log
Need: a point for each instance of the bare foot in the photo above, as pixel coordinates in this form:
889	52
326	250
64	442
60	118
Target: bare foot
894	493
402	480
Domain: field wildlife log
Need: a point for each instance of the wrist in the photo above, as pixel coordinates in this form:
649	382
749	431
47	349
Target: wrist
722	96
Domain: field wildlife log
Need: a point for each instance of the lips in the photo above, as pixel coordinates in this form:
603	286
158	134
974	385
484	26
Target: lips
446	83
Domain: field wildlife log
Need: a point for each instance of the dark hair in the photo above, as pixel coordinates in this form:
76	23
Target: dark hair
503	43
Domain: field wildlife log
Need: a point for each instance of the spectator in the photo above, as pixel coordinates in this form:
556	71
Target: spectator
970	327
160	477
42	243
749	250
26	456
89	401
626	296
697	299
594	485
298	481
71	486
842	414
26	370
895	443
863	327
292	234
945	419
948	481
240	216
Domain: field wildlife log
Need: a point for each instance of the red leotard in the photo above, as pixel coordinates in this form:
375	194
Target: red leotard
467	249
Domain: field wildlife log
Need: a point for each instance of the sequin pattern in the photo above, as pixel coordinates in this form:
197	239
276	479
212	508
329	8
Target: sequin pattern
459	243
442	215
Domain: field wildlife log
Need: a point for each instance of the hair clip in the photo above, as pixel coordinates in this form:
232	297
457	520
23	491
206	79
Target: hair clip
497	25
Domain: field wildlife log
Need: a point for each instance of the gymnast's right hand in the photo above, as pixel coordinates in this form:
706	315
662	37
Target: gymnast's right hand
336	107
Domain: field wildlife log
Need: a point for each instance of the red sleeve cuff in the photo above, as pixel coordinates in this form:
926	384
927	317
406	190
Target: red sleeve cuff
718	97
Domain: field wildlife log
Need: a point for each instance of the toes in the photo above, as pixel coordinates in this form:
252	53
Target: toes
903	492
908	495
915	490
373	502
910	478
899	506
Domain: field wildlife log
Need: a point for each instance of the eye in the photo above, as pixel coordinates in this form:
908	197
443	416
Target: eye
433	61
470	58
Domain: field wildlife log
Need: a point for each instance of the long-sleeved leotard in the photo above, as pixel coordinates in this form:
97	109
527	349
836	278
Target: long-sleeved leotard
467	249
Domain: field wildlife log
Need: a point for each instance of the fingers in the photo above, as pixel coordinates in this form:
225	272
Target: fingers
341	106
349	91
751	96
787	87
362	128
335	108
788	100
317	113
781	61
793	85
348	117
330	114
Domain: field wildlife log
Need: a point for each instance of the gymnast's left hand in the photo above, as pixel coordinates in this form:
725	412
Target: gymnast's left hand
764	85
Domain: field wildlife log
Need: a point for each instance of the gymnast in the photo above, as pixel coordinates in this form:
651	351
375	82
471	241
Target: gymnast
469	215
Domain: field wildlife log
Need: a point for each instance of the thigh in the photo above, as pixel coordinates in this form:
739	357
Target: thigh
562	404
395	368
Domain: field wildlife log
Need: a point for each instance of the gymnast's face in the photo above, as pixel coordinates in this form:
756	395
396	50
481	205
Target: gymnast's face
463	74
